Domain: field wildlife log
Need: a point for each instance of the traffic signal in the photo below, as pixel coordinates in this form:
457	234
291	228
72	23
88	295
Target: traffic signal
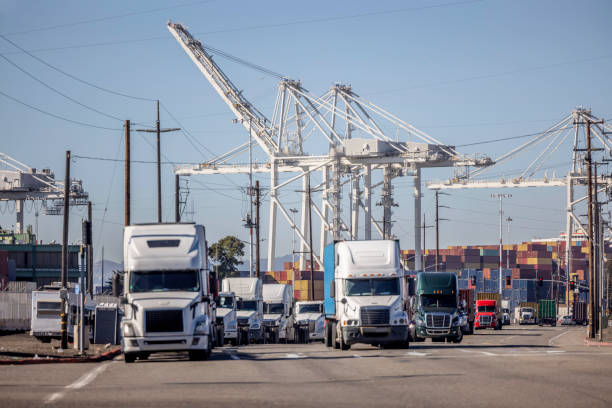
540	281
572	285
473	281
508	281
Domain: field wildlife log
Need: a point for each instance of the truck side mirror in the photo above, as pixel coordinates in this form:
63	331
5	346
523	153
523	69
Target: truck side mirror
332	289
463	303
344	301
123	300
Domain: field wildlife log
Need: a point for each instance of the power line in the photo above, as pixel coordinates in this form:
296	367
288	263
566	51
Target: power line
99	19
59	92
514	137
54	115
72	76
98	158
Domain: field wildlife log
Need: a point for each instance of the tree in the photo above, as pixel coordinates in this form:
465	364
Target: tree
225	254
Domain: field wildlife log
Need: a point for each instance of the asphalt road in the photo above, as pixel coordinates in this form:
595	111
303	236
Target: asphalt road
520	366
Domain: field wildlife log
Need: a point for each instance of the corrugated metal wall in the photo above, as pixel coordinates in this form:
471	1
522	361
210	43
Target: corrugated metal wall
15	310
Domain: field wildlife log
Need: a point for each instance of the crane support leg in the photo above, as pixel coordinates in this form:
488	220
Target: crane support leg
272	220
417	220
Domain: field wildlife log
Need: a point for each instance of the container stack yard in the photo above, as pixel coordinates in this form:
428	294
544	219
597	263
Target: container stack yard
302	286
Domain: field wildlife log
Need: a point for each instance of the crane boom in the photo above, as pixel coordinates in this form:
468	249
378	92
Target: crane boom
252	119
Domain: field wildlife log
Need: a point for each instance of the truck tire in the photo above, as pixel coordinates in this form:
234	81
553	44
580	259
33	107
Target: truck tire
129	357
343	345
459	336
438	339
335	342
197	355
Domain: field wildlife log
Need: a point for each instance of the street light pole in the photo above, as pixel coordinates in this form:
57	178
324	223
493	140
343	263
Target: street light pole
501	215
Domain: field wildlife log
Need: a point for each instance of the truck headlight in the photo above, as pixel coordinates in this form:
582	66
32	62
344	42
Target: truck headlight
202	328
128	330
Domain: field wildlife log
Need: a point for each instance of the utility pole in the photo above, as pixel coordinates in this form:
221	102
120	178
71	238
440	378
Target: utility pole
508	221
424	242
310	239
64	291
90	251
177	198
293	211
158	131
102	289
501	218
127	175
257	205
438	219
590	231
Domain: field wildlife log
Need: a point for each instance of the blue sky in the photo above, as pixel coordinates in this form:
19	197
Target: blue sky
463	71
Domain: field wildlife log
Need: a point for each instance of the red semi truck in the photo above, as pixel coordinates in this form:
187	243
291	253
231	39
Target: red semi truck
488	311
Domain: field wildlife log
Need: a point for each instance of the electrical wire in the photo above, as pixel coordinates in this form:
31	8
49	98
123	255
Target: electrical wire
72	76
59	92
99	19
76	122
513	137
98	158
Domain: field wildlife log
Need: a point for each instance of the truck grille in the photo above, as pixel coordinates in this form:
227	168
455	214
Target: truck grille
371	316
164	321
243	321
441	320
484	320
269	322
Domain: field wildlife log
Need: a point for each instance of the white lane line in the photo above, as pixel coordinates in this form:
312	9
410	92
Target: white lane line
299	355
416	353
80	383
555	351
356	356
551	341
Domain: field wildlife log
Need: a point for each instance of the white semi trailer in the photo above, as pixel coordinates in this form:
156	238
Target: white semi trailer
167	293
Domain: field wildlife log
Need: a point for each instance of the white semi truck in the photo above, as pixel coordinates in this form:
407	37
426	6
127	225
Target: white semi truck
278	313
310	313
226	315
168	304
249	307
365	294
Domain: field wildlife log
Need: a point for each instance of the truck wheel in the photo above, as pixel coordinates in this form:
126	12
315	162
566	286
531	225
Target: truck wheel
335	342
459	336
129	357
343	345
328	335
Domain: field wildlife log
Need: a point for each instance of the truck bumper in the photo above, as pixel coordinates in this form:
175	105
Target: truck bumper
230	334
374	335
317	335
165	343
425	332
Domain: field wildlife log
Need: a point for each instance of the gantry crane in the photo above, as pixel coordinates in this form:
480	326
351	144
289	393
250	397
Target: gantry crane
20	183
347	139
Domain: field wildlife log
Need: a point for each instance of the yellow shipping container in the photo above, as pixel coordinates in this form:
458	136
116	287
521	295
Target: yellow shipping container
539	261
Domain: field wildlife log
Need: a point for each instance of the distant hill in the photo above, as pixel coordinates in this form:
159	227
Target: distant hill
109	267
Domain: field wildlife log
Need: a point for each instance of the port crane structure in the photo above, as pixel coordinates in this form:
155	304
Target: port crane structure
586	134
340	135
20	183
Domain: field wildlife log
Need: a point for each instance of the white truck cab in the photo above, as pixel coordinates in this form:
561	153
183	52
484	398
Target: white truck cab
167	301
278	312
226	315
249	307
366	295
310	313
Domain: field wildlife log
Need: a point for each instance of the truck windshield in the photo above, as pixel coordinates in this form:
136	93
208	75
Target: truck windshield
164	281
438	301
247	305
274	308
226	302
372	287
486	309
314	308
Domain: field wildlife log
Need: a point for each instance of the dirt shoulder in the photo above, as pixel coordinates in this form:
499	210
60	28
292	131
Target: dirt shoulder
22	345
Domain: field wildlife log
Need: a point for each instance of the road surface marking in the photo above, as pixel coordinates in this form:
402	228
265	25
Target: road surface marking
292	355
356	356
550	342
416	353
80	383
555	351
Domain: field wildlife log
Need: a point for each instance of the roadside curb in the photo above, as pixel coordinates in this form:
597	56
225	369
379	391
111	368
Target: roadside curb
109	355
590	343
